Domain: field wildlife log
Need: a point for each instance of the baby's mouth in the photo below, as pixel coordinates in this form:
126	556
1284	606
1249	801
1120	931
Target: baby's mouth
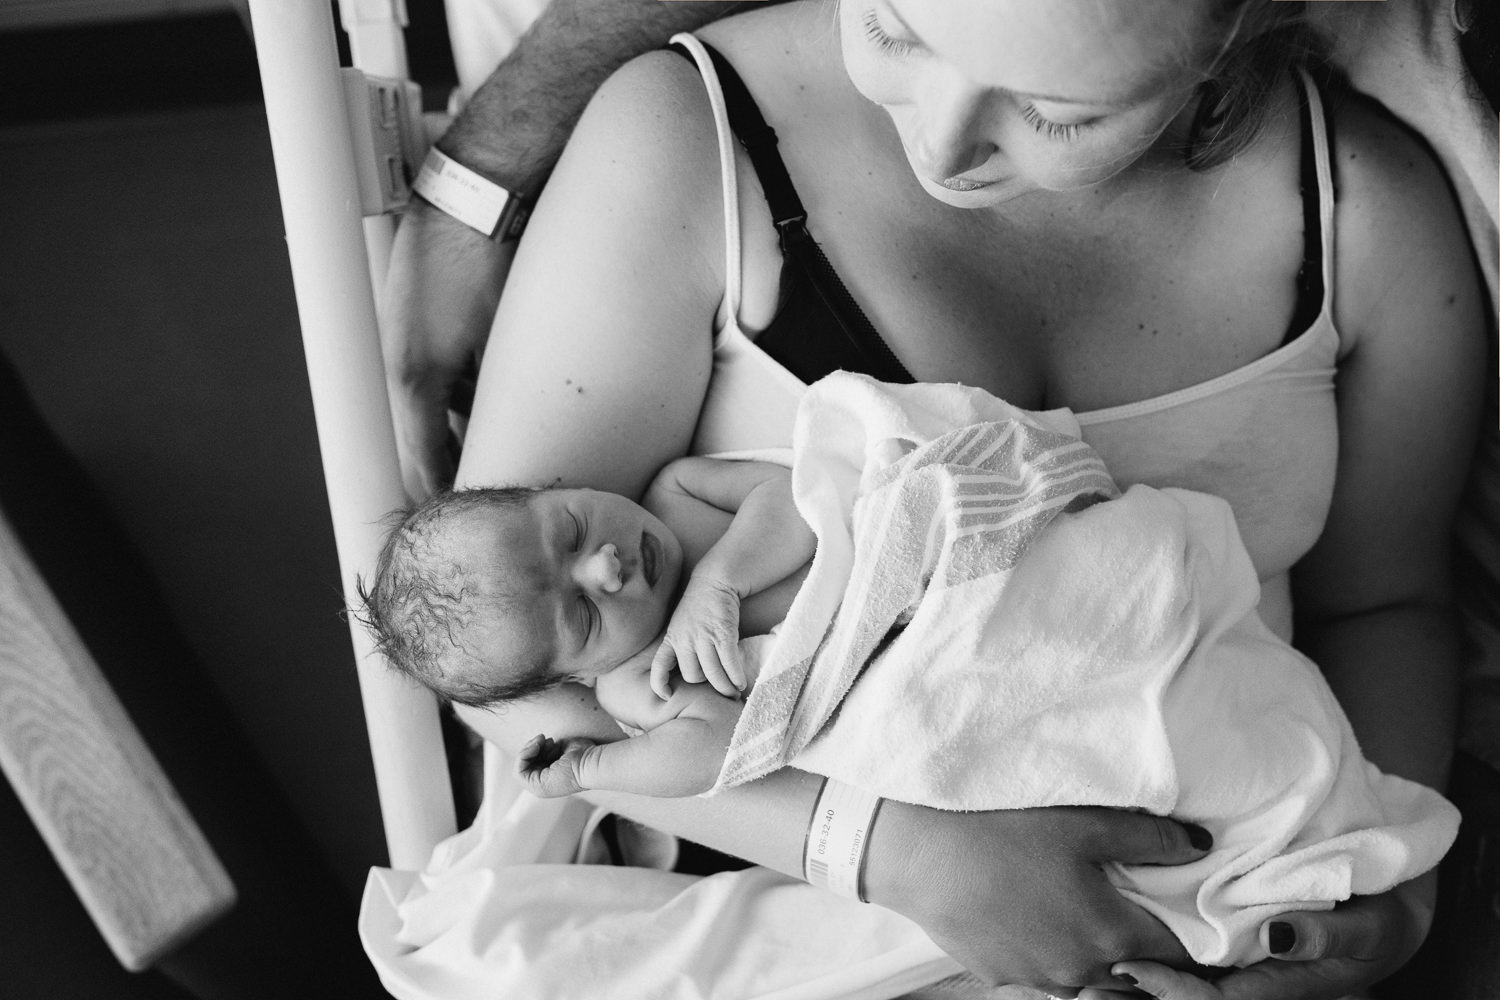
650	558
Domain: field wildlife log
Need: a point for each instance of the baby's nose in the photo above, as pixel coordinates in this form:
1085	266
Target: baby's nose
602	569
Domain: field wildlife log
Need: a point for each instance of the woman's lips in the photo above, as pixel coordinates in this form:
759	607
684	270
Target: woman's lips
650	558
962	184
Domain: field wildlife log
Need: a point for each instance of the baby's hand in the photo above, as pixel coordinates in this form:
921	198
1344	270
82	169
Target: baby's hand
702	641
551	767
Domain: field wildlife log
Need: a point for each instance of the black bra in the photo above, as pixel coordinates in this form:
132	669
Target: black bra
819	328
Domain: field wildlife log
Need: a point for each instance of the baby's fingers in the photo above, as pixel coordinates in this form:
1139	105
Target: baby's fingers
661	670
532	754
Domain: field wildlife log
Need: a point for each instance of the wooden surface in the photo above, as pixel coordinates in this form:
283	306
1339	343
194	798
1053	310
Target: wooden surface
139	864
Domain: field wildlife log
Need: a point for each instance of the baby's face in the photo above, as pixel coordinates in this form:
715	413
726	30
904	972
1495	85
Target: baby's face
593	577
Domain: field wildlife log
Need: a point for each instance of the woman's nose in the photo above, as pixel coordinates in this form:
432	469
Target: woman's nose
951	138
601	569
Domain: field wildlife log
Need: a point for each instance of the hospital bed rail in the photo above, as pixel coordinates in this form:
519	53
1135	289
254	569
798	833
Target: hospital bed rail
337	257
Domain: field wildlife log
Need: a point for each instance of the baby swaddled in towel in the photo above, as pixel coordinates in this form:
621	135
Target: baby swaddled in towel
988	623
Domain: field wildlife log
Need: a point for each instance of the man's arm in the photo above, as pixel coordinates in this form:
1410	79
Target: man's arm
514	127
444	280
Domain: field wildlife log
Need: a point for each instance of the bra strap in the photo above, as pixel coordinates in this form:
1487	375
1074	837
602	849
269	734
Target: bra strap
790	219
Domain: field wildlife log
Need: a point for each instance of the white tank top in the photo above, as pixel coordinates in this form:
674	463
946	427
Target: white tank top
1264	436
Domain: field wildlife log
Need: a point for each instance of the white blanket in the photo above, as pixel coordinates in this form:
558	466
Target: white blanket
501	912
1045	655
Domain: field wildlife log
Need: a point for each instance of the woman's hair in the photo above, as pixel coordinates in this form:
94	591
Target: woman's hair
423	599
1261	41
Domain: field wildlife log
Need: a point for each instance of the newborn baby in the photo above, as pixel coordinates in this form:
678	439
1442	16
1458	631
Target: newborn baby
485	596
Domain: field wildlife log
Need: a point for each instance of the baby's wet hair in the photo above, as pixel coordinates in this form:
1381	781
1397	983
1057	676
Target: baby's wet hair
422	600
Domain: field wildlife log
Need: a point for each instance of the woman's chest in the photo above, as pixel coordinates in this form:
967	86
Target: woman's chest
1088	300
1080	318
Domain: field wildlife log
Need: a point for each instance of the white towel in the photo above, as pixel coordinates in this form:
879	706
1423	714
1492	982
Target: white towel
1108	655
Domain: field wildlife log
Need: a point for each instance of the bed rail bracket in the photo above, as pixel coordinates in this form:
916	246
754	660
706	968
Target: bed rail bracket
390	140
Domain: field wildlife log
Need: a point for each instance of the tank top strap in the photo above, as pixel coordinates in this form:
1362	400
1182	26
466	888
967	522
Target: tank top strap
1318	132
684	43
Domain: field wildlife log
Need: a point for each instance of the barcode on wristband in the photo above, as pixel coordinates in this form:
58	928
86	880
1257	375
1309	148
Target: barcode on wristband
835	850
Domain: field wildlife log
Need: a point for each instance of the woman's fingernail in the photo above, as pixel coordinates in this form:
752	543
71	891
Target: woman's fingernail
1127	979
1200	838
1281	937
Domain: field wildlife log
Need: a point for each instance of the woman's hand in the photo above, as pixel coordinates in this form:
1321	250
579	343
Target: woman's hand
1323	956
1019	896
702	640
441	290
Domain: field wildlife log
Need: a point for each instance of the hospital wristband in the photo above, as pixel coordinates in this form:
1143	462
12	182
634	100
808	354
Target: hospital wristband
476	201
833	856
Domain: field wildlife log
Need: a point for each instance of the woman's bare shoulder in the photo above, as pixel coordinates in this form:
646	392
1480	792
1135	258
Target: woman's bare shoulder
789	56
1398	228
652	113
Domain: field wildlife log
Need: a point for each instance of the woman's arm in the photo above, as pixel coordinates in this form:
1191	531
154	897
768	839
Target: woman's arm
1374	596
444	278
601	351
1374	608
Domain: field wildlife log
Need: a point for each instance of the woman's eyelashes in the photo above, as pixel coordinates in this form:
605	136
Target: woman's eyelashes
882	39
893	46
1062	132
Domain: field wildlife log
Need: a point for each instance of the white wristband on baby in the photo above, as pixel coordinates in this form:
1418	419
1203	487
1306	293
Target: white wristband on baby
834	854
476	201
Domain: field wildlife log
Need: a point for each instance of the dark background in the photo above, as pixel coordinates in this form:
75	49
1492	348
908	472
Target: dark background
159	460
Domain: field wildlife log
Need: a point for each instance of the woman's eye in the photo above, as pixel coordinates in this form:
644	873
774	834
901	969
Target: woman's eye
586	613
577	532
875	33
1052	130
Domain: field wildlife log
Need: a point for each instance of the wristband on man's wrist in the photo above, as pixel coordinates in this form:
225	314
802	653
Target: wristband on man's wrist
833	856
472	199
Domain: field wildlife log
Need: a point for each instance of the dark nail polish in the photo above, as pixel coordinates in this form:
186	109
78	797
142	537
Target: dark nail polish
1200	838
1127	979
1282	937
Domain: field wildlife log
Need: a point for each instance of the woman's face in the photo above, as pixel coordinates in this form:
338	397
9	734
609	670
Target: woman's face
995	98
